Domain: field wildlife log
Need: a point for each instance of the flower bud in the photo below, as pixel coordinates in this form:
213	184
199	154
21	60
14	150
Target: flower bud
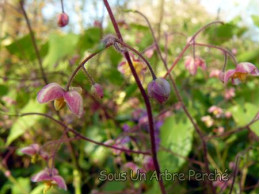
97	90
63	20
159	89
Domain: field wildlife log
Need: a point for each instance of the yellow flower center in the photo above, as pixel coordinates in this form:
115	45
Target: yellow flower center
239	75
48	186
59	103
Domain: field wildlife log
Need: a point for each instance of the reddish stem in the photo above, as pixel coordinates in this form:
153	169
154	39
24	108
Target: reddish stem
145	97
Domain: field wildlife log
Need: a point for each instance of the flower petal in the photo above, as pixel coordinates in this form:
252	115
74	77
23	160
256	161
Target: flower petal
60	182
224	77
50	92
246	67
31	150
74	101
41	176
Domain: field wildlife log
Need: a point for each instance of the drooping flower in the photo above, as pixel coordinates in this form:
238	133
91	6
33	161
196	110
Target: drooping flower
217	111
51	178
35	152
139	66
159	89
63	19
97	90
207	120
229	93
192	64
240	73
54	92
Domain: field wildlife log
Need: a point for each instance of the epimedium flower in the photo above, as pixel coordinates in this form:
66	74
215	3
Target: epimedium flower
63	19
240	73
159	89
192	64
51	178
229	93
207	120
35	152
54	92
97	90
217	111
139	66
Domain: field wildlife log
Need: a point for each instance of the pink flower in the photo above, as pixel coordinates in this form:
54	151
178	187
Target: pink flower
240	73
150	51
54	92
219	130
159	89
97	90
229	93
35	151
217	111
228	114
51	178
63	19
215	73
207	120
192	65
148	163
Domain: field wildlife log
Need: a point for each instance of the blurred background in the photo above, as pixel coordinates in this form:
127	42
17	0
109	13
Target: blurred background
120	115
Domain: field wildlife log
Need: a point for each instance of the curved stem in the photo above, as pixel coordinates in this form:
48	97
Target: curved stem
145	97
219	48
34	43
191	41
81	65
82	136
204	27
140	55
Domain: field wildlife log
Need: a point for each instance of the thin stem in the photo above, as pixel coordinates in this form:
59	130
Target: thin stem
153	35
34	43
62	6
140	55
145	97
81	65
219	48
88	75
80	135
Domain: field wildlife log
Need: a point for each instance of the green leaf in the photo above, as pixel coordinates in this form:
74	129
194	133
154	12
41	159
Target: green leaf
22	184
60	46
24	123
176	135
23	48
243	114
3	90
89	39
